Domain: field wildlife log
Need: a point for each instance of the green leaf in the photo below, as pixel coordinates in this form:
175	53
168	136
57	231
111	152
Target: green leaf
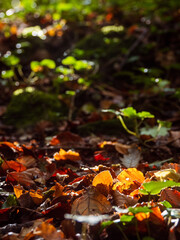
82	64
48	63
34	65
166	204
64	70
139	210
129	112
154	187
10	60
145	114
69	61
126	218
10	201
7	74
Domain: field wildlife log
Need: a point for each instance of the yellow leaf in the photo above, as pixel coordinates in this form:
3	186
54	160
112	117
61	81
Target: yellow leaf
69	155
130	175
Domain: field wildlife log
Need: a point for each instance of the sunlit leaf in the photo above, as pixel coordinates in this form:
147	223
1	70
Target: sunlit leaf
69	60
36	196
126	218
67	155
167	174
130	175
154	187
103	177
140	210
49	63
91	203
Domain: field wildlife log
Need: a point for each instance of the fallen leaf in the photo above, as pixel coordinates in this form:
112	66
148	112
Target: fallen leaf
123	200
18	167
172	196
58	190
167	174
69	155
67	139
46	231
174	166
156	216
122	148
103	177
91	203
132	158
103	181
20	177
130	175
36	196
28	161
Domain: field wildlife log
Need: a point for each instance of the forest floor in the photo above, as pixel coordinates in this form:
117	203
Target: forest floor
89	128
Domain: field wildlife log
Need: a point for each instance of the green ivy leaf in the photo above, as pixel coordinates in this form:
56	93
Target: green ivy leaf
129	112
139	210
10	60
154	187
145	114
126	218
48	63
69	60
7	74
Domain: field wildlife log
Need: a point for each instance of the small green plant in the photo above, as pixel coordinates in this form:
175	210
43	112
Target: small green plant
137	119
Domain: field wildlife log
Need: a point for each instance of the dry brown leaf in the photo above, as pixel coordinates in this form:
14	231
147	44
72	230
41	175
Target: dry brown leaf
132	158
91	203
28	161
172	196
122	148
175	138
122	200
174	166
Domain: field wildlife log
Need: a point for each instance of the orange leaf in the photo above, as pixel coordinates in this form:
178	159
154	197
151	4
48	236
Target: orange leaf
156	216
131	174
103	181
91	203
142	216
18	167
103	177
36	196
69	155
58	190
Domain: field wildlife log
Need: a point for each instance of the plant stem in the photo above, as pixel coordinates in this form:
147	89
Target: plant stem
124	235
137	233
125	127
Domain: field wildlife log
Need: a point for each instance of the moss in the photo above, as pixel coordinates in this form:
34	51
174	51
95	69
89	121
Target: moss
27	108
